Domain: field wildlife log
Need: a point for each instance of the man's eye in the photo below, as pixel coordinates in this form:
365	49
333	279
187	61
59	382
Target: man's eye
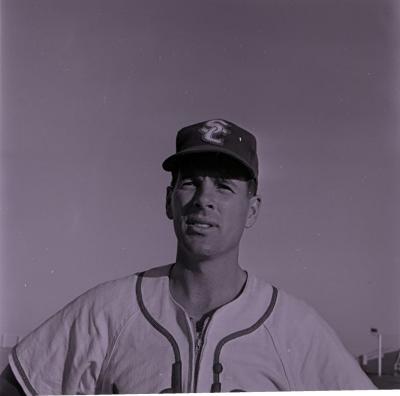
186	183
226	187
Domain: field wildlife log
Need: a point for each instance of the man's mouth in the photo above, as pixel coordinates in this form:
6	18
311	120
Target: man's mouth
202	224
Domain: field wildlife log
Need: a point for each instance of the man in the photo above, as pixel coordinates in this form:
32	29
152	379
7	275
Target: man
202	324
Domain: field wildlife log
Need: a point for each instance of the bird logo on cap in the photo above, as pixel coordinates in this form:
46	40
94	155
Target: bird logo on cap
214	131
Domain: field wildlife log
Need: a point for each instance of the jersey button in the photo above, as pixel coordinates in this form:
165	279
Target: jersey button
217	368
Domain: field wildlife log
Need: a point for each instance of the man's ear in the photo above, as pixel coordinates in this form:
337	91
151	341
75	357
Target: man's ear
254	208
168	208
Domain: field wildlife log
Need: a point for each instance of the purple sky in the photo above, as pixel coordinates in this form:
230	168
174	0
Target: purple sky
93	93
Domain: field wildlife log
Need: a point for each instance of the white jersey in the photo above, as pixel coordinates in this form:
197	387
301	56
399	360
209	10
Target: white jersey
130	336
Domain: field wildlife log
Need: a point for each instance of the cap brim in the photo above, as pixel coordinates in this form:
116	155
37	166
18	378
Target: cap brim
172	162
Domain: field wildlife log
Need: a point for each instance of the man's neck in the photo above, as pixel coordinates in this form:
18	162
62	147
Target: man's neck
203	285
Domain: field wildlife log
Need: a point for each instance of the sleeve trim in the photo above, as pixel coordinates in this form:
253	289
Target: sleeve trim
111	348
20	374
274	343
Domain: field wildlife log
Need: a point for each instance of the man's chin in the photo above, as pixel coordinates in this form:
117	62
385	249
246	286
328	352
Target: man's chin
200	251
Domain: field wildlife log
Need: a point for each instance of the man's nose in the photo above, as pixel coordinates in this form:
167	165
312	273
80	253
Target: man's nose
205	196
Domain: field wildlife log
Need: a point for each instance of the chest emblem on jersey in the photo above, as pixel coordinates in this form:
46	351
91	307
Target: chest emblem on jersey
214	132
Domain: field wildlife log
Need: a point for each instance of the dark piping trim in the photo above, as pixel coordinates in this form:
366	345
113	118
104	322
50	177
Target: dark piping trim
176	381
22	373
217	366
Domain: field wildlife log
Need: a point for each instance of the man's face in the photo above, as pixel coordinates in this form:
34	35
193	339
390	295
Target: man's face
210	205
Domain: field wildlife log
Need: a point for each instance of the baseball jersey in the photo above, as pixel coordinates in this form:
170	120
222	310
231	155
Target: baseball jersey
130	336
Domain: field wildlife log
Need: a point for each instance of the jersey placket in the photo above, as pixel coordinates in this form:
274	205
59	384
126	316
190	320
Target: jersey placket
201	327
197	333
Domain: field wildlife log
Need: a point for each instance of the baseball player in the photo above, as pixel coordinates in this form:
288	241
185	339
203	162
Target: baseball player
201	324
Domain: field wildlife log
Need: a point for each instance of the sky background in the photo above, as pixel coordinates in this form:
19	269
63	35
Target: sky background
93	93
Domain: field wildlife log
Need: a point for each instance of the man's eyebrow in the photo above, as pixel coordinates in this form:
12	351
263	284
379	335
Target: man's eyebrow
231	180
225	179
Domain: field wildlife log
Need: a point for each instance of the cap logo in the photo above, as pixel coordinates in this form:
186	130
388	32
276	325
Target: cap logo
214	131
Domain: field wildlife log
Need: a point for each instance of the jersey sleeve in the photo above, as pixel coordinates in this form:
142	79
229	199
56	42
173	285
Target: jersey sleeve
65	354
313	355
325	362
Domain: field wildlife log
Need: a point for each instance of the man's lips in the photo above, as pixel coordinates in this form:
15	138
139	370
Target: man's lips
200	223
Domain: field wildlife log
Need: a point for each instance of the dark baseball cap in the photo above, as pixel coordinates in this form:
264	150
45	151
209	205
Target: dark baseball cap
215	136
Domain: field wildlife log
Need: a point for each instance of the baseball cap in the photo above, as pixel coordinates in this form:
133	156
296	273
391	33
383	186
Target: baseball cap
215	136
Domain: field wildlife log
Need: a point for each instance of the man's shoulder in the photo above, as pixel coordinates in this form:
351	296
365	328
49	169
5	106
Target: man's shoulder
293	318
115	296
159	272
126	283
110	290
294	306
284	298
287	307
